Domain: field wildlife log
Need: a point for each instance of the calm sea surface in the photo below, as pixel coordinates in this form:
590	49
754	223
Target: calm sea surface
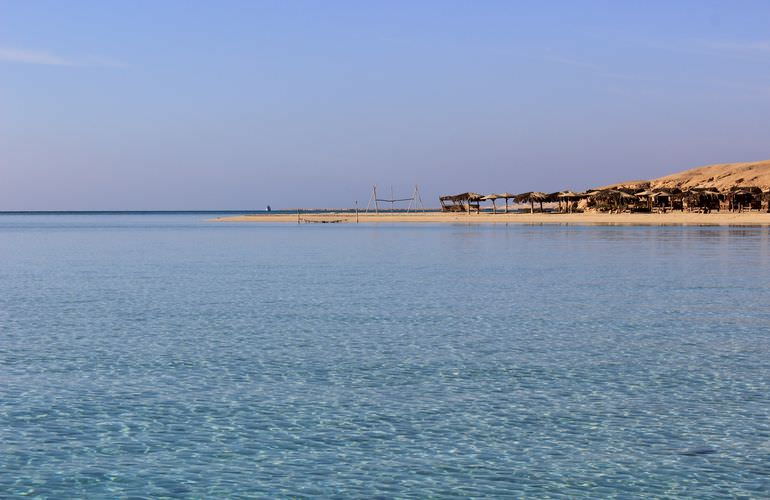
162	355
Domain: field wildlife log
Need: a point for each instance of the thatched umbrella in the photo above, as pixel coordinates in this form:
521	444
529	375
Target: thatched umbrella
507	196
525	198
474	197
532	197
626	196
568	196
540	198
491	197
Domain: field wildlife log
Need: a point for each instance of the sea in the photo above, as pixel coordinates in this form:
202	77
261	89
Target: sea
163	355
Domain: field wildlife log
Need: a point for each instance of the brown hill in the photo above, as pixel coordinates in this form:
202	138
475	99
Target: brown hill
723	176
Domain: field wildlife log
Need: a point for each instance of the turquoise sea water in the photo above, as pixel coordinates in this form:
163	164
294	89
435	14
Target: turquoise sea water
162	355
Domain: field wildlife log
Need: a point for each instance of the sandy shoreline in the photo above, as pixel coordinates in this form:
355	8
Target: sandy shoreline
676	218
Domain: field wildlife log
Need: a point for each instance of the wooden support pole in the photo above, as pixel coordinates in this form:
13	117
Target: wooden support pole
418	198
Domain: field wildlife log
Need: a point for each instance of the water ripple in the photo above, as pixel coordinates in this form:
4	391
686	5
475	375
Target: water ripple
167	358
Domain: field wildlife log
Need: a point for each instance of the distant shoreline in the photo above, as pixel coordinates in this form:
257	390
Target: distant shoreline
591	218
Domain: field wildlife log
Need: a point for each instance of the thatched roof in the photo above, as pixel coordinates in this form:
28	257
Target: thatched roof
612	194
746	189
522	197
698	192
462	197
605	193
532	196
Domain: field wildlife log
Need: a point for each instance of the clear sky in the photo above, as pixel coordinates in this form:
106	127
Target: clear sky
237	104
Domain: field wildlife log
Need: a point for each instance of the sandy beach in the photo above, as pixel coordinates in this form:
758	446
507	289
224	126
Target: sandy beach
675	218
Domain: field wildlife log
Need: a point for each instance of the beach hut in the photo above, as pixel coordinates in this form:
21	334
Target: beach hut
701	200
645	199
661	200
677	196
666	200
744	198
464	202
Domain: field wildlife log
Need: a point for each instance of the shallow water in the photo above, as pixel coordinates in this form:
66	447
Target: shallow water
162	355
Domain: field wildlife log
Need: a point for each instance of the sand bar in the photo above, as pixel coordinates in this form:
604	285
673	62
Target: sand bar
657	219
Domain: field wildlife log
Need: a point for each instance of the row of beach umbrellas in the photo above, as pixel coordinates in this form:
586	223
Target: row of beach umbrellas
570	196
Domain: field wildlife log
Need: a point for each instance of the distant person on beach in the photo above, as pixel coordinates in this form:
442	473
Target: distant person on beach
269	209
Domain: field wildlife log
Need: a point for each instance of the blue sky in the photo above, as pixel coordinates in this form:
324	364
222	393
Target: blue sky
240	104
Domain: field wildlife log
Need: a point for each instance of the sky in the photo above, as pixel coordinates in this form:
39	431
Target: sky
185	105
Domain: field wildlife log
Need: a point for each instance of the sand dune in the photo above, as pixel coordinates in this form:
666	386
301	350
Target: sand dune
723	176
